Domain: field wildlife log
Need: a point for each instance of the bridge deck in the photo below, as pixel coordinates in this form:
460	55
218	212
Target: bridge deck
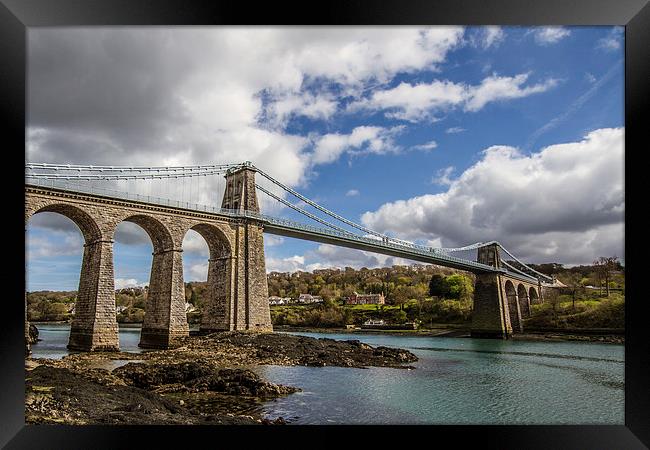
283	227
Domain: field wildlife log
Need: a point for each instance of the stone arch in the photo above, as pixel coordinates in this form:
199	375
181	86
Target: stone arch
161	237
533	295
513	306
216	310
87	224
94	325
164	316
524	301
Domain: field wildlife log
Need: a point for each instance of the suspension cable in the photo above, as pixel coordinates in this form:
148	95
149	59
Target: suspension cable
300	210
528	268
95	168
142	176
328	212
516	270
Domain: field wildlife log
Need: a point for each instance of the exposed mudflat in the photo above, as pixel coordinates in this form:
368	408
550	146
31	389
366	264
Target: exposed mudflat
204	381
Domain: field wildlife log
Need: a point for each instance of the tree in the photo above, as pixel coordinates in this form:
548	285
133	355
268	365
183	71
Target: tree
437	286
552	296
401	295
604	266
574	281
458	287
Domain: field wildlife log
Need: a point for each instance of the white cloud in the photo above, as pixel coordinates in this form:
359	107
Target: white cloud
442	176
454	130
197	272
488	36
426	146
413	103
495	88
563	204
122	283
271	240
352	193
194	243
613	41
279	111
364	139
420	102
54	244
290	264
550	35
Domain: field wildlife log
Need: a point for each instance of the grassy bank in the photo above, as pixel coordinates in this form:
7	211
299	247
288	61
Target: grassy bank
588	313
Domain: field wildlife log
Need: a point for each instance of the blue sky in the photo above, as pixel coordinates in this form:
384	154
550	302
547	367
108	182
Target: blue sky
442	135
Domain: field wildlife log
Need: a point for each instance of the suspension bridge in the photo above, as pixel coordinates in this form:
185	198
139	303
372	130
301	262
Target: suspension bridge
220	202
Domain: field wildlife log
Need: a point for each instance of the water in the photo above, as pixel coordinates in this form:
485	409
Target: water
456	381
54	340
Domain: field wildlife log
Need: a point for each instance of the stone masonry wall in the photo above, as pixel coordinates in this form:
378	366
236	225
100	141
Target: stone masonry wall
490	314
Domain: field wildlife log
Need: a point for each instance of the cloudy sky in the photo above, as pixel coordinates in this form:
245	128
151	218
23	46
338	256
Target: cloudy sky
441	135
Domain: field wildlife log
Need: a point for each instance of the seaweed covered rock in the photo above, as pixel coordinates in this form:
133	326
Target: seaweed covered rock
199	377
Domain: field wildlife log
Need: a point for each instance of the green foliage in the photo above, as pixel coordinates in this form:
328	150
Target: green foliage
131	315
559	312
437	286
327	315
49	306
459	287
443	311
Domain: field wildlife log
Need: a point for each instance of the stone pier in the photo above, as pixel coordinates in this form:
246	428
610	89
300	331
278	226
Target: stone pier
501	302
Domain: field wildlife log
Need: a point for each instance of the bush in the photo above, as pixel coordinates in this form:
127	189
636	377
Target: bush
131	315
328	315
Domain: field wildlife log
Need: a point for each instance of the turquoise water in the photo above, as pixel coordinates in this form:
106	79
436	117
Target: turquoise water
455	381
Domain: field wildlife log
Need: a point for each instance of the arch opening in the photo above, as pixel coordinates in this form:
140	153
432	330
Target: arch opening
524	301
133	250
162	315
209	303
513	307
533	296
54	249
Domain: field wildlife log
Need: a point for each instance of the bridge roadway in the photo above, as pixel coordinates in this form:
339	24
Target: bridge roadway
288	228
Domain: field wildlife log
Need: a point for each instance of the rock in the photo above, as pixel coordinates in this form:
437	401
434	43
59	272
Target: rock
33	333
199	376
59	395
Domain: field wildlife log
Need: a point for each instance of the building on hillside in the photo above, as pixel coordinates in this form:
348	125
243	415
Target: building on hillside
308	298
275	300
365	299
189	307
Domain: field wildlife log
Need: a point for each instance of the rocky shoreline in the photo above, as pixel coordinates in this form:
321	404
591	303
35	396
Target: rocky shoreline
206	380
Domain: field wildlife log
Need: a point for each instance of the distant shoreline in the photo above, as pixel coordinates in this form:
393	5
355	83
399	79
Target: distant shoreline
613	336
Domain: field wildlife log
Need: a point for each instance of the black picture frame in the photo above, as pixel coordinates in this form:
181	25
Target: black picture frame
17	15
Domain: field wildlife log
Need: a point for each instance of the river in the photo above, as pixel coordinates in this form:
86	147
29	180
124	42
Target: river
455	381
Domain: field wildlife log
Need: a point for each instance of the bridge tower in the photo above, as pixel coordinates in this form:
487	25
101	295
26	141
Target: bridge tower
247	302
491	315
240	191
